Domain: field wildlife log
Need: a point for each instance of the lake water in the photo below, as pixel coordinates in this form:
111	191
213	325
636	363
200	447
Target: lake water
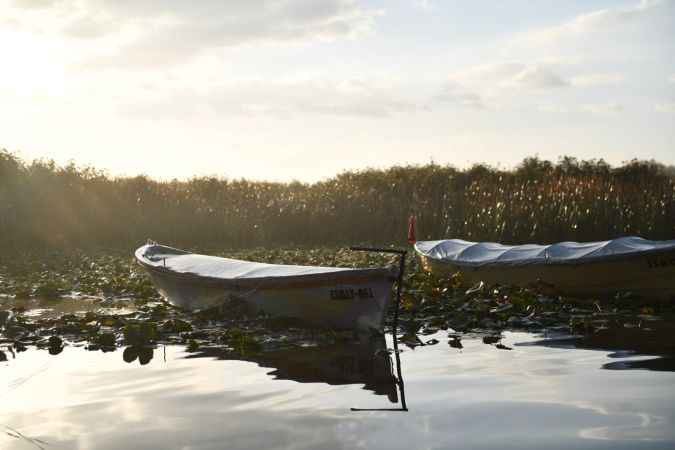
528	394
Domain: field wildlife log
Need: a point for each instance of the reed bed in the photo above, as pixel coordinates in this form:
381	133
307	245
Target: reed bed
46	206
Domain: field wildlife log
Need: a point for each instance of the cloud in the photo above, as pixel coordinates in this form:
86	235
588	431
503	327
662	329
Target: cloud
597	79
593	108
456	94
553	108
605	47
602	108
35	4
425	5
493	72
505	74
89	28
278	99
667	107
150	35
481	86
601	21
574	57
538	77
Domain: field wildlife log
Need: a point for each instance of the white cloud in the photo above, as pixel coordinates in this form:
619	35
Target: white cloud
592	50
553	108
509	74
89	28
483	85
493	72
34	4
151	33
667	107
602	108
605	41
537	77
456	94
426	5
593	108
597	79
605	20
280	99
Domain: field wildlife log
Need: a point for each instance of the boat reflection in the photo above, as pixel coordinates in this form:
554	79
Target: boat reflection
647	337
363	361
366	361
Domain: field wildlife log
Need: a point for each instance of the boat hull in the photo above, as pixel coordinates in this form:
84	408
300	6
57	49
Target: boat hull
650	276
342	303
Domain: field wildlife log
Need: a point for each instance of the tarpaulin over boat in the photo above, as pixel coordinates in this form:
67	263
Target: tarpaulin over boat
179	262
465	253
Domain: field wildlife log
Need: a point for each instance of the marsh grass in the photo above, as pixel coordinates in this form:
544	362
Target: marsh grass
46	206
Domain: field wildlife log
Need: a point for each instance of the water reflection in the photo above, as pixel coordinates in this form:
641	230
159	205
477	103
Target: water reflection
143	354
365	360
651	337
659	364
469	394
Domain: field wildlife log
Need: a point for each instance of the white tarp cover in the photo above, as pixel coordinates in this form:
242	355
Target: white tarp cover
184	263
465	253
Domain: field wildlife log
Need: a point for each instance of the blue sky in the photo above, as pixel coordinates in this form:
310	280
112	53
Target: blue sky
303	89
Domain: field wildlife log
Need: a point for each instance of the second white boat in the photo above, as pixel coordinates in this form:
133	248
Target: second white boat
585	269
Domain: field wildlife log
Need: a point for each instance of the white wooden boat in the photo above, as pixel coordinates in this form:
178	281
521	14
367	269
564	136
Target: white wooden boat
332	297
628	264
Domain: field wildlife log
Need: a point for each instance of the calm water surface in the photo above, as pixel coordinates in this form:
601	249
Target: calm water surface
538	395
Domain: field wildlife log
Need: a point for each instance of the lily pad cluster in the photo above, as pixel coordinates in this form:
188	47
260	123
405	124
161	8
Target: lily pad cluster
121	309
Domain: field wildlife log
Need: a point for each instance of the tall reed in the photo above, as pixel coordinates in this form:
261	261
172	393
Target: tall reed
46	206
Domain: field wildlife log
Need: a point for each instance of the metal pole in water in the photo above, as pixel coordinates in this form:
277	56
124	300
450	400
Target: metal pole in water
399	282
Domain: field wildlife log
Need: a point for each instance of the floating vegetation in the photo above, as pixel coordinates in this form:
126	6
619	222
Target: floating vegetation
104	303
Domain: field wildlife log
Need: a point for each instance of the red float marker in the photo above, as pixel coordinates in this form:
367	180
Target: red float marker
411	230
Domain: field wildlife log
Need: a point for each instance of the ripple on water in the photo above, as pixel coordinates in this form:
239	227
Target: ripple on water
532	397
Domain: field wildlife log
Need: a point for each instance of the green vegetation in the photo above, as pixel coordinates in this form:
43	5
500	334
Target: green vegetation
115	305
44	206
66	235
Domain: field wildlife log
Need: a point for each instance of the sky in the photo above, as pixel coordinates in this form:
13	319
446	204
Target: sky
305	89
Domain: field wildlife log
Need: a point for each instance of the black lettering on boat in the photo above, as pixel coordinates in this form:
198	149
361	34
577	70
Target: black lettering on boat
342	294
350	293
